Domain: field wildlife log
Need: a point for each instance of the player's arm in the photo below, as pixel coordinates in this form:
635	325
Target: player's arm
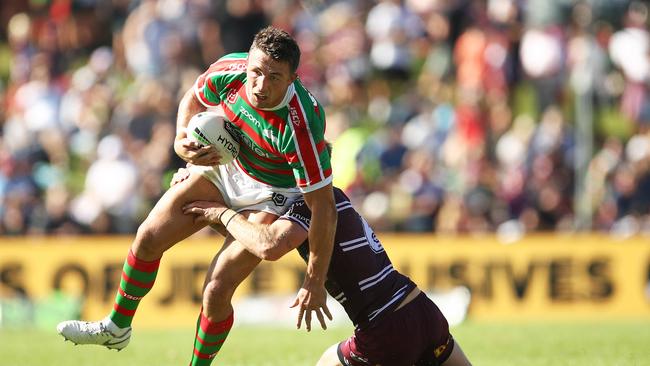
189	150
312	295
321	232
265	241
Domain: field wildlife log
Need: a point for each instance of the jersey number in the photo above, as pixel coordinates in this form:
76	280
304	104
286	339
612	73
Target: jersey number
373	241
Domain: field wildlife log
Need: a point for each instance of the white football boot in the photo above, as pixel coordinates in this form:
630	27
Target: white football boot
103	333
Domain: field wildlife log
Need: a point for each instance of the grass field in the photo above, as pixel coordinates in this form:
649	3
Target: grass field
521	344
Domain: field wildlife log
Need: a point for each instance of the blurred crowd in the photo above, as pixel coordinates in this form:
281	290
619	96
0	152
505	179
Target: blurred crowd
447	116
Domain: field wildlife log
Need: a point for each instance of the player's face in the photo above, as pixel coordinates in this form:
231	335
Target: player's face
268	79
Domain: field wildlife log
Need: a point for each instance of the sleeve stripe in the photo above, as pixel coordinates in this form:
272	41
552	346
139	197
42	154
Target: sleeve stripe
221	67
198	92
199	95
211	85
315	187
312	143
304	142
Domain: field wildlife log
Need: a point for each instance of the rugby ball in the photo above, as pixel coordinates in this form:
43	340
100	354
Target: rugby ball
210	128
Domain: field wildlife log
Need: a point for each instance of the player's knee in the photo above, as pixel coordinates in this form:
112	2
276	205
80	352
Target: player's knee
218	290
145	244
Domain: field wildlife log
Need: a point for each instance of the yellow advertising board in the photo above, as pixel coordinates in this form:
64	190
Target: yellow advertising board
540	277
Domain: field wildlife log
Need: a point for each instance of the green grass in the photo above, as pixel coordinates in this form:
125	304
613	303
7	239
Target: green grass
522	344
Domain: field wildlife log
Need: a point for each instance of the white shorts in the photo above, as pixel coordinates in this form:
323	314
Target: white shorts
241	192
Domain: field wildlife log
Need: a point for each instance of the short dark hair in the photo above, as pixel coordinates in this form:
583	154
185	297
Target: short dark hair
279	45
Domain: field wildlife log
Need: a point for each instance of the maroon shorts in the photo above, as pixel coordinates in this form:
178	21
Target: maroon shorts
416	334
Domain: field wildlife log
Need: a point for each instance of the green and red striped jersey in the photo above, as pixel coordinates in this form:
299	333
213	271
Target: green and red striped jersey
283	147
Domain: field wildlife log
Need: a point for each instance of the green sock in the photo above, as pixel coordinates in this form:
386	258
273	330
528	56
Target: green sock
209	339
138	277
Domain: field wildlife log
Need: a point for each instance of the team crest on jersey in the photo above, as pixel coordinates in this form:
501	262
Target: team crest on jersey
231	97
371	237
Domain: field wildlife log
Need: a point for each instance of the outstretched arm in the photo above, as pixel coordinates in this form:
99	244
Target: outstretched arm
312	295
265	241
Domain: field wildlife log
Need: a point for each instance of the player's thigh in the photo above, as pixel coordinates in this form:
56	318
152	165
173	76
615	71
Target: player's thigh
330	357
166	224
457	357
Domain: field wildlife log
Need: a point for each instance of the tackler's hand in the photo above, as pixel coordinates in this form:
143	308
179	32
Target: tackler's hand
207	212
311	297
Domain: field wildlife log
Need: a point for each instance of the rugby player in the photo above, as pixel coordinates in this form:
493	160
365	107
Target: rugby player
396	324
282	156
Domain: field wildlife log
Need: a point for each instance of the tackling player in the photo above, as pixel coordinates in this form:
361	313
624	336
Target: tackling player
282	155
395	323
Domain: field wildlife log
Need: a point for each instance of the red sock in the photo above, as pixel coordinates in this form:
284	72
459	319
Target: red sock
209	339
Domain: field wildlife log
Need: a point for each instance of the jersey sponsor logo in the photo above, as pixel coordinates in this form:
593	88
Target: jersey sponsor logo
246	140
373	241
279	199
233	131
250	116
239	66
295	117
301	218
256	149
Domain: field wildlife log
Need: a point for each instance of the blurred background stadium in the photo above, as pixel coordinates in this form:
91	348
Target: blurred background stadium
500	146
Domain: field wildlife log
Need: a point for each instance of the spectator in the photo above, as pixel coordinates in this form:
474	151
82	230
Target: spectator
453	117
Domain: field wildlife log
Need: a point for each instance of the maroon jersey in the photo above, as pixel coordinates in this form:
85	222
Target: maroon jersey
360	276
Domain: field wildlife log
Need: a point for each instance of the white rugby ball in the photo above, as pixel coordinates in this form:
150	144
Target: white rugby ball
210	128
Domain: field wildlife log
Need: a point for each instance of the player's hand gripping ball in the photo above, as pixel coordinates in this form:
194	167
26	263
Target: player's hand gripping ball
210	128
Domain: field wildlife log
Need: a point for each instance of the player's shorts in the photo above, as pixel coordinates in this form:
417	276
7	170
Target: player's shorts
416	334
241	192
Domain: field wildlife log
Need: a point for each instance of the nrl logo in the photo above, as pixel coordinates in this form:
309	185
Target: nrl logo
279	199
